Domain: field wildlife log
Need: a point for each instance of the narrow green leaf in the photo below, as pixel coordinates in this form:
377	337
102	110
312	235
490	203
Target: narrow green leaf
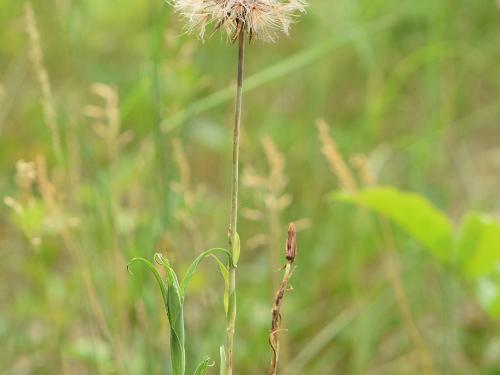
154	271
225	274
192	268
478	248
222	370
176	318
203	366
236	249
414	213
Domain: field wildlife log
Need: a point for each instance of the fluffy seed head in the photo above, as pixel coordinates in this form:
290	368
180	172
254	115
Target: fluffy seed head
263	19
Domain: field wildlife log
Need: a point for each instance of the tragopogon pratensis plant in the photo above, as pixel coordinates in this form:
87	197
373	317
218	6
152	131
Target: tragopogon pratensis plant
259	19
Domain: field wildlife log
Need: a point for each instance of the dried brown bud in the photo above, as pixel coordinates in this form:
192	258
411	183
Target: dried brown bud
291	243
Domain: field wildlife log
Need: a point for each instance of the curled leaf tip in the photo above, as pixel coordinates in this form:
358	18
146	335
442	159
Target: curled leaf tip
160	259
129	264
129	270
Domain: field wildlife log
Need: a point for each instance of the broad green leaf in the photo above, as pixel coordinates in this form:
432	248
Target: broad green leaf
412	212
222	370
192	268
236	249
203	366
478	248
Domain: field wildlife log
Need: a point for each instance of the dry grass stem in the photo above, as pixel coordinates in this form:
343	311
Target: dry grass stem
272	198
36	55
334	158
361	164
106	118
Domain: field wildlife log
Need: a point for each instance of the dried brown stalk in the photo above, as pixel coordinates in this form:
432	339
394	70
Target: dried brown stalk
290	254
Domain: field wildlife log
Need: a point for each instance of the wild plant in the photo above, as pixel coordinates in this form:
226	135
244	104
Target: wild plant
349	183
470	251
239	19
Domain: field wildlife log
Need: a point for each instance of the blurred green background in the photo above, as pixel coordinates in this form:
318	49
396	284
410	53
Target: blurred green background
144	115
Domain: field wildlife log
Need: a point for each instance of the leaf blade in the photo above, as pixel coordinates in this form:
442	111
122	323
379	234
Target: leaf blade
194	265
478	245
412	212
161	283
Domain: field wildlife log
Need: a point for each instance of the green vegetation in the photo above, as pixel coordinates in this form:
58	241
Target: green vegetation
115	144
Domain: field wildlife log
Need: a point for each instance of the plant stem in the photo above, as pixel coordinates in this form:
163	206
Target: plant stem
276	320
231	314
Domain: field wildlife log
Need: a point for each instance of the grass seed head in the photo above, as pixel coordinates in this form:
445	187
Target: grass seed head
262	19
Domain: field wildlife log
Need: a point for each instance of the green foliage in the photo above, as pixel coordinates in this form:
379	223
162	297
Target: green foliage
170	291
475	249
173	294
478	246
413	84
412	212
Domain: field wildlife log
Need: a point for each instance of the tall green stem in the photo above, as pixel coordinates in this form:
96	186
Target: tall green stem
231	315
